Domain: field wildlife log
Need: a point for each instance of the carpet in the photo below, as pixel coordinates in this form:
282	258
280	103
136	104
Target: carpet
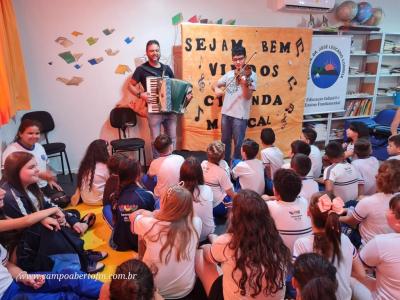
97	237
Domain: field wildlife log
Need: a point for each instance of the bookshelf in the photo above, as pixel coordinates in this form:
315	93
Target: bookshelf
374	78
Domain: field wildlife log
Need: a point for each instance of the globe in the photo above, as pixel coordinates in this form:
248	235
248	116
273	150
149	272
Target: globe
376	18
364	12
346	11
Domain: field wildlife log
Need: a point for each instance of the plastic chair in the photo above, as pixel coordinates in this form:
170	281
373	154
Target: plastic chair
52	149
122	118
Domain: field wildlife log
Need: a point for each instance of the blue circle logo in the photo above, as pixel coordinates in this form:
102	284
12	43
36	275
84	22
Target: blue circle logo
325	69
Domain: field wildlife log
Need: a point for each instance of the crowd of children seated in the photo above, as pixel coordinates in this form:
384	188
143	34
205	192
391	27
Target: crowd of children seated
291	229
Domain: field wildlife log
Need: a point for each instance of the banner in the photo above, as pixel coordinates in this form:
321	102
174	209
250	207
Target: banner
281	64
328	74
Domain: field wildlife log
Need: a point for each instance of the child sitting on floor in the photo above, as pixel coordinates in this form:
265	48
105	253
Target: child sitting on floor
356	130
393	147
341	178
93	174
366	165
271	155
289	211
250	171
301	164
165	169
309	136
217	176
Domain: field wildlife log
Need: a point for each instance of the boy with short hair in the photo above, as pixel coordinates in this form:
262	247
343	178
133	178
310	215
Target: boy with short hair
341	178
271	156
289	211
309	136
393	147
250	171
301	164
366	165
166	167
299	146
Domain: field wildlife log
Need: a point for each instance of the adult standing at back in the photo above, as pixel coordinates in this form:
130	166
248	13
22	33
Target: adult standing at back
153	67
237	95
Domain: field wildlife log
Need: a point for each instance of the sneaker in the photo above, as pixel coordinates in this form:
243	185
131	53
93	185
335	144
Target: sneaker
96	255
94	267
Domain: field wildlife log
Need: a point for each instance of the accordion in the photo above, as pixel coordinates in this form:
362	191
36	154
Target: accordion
167	94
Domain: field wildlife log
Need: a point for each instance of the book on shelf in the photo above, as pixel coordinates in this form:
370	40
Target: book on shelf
358	107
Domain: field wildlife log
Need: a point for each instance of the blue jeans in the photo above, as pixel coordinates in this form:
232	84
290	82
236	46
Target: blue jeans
221	210
108	215
233	128
168	121
53	289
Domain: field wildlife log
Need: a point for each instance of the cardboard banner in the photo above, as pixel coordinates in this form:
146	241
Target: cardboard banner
281	64
328	74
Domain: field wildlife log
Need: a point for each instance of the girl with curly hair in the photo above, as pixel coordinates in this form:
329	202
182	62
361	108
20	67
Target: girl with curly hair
93	173
370	211
254	259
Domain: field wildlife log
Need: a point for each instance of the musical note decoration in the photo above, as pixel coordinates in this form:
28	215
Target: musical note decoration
201	83
199	111
299	43
290	80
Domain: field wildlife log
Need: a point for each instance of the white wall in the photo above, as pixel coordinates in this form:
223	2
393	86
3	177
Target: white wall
81	113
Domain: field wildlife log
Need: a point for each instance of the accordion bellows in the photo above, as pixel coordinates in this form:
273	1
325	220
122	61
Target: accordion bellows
167	94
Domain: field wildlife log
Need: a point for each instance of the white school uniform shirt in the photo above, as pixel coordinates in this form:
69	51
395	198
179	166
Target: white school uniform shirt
368	168
94	196
173	279
203	208
5	276
291	219
308	188
217	178
235	105
345	179
37	151
394	157
383	253
251	175
316	161
221	253
371	213
272	157
167	169
343	270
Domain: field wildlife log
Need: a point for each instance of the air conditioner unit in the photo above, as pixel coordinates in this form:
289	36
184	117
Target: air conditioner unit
306	5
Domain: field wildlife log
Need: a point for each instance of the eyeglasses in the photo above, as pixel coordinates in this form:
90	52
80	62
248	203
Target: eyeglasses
237	59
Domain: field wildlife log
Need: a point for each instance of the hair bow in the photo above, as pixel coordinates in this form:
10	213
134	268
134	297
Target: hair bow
326	204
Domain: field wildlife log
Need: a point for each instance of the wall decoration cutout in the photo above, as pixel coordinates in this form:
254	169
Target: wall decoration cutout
92	40
67	57
76	33
75	80
129	40
95	61
108	31
122	69
110	52
63	41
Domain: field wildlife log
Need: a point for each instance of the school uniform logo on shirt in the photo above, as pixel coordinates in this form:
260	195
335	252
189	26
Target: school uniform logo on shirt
126	209
43	157
295	214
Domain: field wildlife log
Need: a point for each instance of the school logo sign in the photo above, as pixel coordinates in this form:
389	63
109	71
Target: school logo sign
328	74
325	69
